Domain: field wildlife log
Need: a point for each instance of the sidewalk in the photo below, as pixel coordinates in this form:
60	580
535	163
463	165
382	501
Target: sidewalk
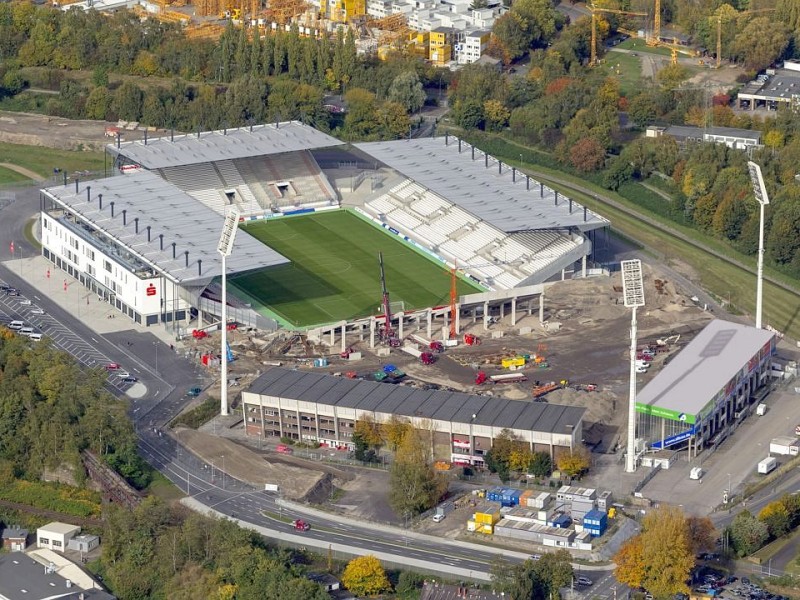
70	295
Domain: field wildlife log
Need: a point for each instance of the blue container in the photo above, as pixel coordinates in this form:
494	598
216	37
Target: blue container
495	494
389	369
562	521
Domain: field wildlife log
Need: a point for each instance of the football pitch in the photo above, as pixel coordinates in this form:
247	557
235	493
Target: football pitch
334	272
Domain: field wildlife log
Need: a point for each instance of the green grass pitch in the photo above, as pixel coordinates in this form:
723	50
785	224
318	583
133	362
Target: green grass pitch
334	272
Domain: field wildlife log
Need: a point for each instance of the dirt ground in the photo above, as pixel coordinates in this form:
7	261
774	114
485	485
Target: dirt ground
55	132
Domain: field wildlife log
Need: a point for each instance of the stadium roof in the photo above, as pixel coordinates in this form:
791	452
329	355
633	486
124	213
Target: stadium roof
704	367
412	402
488	194
210	146
170	213
21	577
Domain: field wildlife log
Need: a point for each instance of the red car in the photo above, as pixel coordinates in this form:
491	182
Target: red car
112	366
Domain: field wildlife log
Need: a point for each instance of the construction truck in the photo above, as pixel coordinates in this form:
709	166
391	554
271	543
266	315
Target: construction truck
426	358
434	345
481	378
470	339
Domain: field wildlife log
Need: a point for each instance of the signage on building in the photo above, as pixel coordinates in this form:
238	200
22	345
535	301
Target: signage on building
674	439
460	443
151	290
665	413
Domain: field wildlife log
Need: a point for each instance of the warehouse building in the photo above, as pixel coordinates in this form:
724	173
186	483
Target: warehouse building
707	390
310	407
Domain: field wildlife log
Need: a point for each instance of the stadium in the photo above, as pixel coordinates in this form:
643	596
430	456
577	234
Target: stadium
461	234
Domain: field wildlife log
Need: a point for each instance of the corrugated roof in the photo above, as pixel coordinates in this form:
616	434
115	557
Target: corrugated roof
483	191
704	367
210	146
410	402
170	212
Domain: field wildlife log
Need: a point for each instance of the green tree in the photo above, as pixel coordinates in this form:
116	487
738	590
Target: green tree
776	517
415	486
364	576
760	43
498	458
127	103
511	35
642	109
406	90
541	464
747	533
98	103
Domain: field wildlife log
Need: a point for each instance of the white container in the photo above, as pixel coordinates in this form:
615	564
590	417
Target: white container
696	473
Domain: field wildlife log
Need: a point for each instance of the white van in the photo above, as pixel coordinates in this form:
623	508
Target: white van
16	325
35	337
26	331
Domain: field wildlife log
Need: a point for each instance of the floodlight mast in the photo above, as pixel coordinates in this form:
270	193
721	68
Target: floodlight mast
760	192
633	296
225	248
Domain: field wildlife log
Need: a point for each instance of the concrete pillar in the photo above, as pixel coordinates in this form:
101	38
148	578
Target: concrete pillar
474	315
361	327
502	309
199	318
530	306
485	316
583	267
371	333
400	320
563	274
458	319
344	336
541	308
333	335
429	314
513	311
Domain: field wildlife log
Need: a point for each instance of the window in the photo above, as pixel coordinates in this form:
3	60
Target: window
89	253
107	265
44	541
56	544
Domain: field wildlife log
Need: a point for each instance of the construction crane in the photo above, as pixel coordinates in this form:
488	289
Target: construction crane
595	10
727	16
387	333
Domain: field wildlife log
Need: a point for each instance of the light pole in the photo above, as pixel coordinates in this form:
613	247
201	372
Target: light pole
225	248
155	344
223	471
633	295
760	192
471	439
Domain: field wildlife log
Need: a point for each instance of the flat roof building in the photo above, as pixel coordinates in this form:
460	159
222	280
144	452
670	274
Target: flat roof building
774	88
56	536
24	577
312	407
705	392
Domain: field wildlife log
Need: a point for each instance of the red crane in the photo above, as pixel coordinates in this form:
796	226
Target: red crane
388	332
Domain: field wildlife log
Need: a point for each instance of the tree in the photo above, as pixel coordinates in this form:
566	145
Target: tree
587	155
760	43
642	109
364	576
406	90
520	459
775	516
702	533
576	462
541	465
395	431
499	456
511	35
533	580
661	557
369	430
415	484
496	115
747	533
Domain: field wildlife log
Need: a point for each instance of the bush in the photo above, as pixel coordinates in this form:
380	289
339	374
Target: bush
197	416
53	496
409	582
288	441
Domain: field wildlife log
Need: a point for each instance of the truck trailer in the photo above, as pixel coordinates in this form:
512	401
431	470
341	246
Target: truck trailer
767	465
508	378
784	446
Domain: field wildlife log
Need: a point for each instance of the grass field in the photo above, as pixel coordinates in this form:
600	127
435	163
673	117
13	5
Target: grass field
9	176
334	273
640	46
625	68
42	160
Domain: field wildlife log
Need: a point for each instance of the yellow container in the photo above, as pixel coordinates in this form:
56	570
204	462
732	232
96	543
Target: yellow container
517	361
487	518
486	529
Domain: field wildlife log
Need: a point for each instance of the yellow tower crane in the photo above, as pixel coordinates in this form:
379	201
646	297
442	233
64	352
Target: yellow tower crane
719	18
595	10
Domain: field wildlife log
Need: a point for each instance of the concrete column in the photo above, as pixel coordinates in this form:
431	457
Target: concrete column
541	308
530	306
563	274
333	335
400	325
474	315
371	333
513	311
502	309
361	328
458	319
583	267
199	319
485	316
261	410
344	336
430	321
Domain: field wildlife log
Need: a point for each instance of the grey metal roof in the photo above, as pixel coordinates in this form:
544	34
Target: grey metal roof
684	131
22	578
781	87
168	211
209	146
410	402
704	367
438	165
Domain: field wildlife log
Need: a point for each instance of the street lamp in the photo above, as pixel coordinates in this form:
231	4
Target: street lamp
760	192
471	439
633	295
223	471
156	347
225	248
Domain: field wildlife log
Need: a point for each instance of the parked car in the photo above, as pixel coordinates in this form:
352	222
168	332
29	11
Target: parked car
130	379
438	518
35	310
194	392
25	302
583	580
112	366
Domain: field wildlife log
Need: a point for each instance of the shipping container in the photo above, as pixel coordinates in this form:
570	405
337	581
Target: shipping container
785	446
767	465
